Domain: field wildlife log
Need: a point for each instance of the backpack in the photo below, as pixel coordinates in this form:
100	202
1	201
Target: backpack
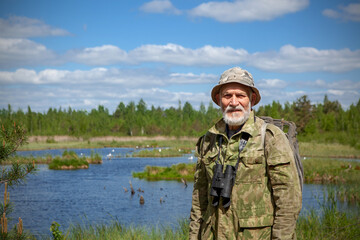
291	136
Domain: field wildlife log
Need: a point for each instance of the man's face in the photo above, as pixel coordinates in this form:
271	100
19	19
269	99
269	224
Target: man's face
235	103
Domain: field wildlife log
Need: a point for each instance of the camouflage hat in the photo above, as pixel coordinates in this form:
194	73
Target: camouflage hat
235	75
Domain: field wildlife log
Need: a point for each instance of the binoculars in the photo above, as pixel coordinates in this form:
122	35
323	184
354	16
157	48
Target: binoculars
222	184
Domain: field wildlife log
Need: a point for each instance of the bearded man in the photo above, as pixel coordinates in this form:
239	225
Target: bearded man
246	184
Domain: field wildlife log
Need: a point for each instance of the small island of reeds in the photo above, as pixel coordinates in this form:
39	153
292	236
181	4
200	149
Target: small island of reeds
175	172
71	161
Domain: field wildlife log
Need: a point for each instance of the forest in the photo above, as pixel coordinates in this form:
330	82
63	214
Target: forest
323	122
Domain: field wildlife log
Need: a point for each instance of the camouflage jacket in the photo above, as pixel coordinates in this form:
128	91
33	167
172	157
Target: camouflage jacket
266	191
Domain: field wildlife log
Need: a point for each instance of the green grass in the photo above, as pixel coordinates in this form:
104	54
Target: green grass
335	150
348	193
69	163
175	172
329	222
70	160
320	170
116	231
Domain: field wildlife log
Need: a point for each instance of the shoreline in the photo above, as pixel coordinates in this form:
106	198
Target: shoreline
64	138
60	142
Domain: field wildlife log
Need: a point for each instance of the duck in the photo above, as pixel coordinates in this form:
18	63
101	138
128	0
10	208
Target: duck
142	200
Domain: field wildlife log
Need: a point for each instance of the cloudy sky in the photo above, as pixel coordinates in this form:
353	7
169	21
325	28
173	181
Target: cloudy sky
88	53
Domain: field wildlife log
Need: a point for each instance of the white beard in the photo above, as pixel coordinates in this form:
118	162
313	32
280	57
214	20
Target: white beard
235	119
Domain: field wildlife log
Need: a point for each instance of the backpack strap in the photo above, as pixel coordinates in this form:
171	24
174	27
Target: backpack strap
263	132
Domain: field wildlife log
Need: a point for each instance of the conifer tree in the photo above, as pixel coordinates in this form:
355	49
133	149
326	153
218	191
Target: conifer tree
12	136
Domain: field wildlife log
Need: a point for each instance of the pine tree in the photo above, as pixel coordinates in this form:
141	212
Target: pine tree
12	136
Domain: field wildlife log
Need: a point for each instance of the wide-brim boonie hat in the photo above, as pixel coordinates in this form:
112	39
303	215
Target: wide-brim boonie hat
236	75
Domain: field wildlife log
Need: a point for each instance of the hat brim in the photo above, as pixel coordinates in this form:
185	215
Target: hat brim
217	88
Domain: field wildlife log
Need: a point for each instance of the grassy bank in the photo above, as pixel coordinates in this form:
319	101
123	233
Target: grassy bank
343	176
116	230
175	172
322	170
185	143
331	150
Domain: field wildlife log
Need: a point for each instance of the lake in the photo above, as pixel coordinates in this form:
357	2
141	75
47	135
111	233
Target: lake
97	195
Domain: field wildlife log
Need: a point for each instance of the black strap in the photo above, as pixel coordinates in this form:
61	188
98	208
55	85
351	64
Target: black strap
220	144
243	141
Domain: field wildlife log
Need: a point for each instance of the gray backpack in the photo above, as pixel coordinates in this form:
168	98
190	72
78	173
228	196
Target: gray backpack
291	136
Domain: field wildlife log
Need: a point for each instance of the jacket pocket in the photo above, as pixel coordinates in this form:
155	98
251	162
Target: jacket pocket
251	169
209	161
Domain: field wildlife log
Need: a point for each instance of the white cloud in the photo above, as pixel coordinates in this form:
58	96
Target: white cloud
306	59
42	98
336	92
86	89
248	10
178	55
168	54
347	92
189	78
272	83
343	85
160	6
23	52
23	27
128	78
19	52
102	55
350	12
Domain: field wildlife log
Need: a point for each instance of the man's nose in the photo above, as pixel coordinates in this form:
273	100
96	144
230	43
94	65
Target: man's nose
234	101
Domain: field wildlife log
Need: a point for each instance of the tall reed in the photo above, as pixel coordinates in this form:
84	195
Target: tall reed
329	222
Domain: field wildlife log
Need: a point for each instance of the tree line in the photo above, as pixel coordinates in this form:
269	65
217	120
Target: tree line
327	121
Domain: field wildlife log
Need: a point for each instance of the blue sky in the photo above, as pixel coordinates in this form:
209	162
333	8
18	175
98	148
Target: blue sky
88	53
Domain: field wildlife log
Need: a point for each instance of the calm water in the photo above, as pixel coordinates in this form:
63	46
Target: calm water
96	195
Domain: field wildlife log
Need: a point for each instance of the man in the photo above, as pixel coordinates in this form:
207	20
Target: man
265	199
